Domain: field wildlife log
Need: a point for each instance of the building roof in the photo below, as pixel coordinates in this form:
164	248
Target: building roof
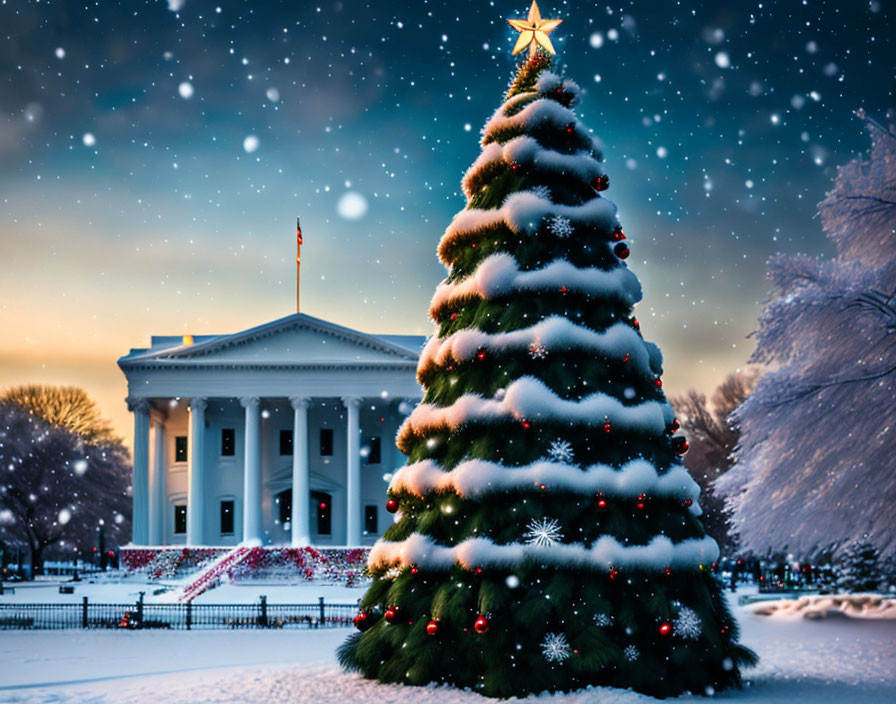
295	340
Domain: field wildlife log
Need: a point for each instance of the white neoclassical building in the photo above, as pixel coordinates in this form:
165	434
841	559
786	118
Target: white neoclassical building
282	433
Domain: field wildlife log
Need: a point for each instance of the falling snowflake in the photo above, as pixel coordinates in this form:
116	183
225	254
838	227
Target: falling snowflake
542	192
537	350
555	647
560	226
687	624
543	533
603	620
631	653
561	451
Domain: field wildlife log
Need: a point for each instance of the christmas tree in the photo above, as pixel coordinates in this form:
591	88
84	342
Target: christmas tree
858	568
547	535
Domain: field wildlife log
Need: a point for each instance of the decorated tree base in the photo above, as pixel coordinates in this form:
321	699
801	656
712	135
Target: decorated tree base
547	534
631	630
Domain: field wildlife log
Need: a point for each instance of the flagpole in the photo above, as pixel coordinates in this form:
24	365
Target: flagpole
298	259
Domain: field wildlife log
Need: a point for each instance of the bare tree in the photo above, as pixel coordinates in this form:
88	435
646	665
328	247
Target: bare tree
66	407
817	460
713	435
56	489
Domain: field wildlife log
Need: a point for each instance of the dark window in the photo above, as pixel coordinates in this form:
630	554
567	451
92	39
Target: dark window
228	442
227	517
285	505
375	451
323	504
370	520
326	442
285	442
180	519
180	448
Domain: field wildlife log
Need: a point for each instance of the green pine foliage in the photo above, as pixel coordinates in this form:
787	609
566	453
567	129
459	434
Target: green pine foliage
859	569
660	632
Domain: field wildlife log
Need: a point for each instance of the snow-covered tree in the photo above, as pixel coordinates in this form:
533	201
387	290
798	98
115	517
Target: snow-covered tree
713	434
858	569
817	461
547	535
56	490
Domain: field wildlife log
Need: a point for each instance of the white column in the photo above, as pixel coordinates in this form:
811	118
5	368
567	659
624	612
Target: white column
301	534
195	473
157	489
140	482
252	525
353	471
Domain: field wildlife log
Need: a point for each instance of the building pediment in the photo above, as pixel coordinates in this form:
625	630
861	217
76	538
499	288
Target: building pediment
296	340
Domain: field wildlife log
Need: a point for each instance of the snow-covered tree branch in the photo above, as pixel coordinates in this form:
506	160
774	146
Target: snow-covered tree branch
817	458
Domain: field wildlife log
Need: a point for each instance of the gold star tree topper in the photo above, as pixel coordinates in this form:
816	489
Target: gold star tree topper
534	32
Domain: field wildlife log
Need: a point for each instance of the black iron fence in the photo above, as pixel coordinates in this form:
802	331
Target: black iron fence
188	616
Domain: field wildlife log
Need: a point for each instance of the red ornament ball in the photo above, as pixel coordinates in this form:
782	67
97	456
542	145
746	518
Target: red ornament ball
635	324
665	628
481	625
362	621
681	445
391	614
601	183
614	573
688	503
608	426
621	250
392	505
601	501
618	234
658	382
675	425
432	628
642	500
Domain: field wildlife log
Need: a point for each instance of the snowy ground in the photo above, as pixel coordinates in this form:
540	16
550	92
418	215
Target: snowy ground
830	661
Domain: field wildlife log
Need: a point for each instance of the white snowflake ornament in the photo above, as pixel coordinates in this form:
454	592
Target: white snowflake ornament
537	350
561	451
631	653
542	192
543	533
560	226
603	620
555	647
687	624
